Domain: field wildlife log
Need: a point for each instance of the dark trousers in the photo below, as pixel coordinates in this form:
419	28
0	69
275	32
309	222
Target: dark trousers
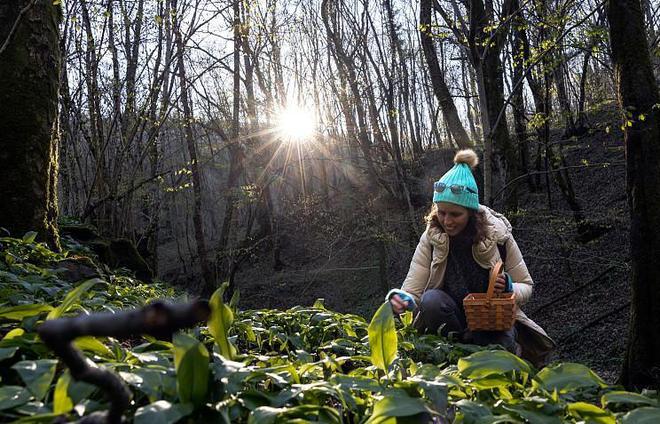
438	308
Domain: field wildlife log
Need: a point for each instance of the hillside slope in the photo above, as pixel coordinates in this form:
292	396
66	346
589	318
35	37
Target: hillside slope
581	290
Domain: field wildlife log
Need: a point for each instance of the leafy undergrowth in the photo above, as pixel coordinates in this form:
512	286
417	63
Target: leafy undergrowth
268	366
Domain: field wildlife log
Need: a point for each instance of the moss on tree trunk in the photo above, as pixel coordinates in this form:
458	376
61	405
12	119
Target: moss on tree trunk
638	97
29	81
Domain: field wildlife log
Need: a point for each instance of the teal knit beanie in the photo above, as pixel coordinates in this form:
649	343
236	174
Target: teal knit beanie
458	185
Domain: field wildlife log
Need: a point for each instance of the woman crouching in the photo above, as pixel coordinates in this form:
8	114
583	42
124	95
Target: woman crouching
462	242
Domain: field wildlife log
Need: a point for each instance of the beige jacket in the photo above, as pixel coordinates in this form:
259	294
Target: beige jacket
427	270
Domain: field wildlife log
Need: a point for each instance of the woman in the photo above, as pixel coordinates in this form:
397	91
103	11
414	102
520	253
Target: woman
462	241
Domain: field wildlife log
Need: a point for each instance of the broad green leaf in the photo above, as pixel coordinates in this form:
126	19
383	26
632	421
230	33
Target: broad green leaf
149	381
16	332
567	377
269	415
591	413
397	406
62	403
12	396
37	375
191	360
162	412
382	337
535	415
488	362
644	415
29	237
473	412
7	352
17	313
624	397
219	323
72	297
92	344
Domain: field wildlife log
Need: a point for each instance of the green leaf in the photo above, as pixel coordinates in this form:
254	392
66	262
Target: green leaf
269	415
191	360
37	375
29	237
382	337
162	412
17	313
591	413
37	419
629	398
62	403
12	396
535	415
92	344
476	413
645	415
7	352
567	377
265	415
397	406
72	297
487	362
219	323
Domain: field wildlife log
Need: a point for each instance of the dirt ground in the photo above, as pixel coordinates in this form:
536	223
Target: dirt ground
581	285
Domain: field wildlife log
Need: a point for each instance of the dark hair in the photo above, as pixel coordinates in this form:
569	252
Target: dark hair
476	222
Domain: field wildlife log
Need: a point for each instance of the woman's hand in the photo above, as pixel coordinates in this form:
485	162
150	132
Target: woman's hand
500	284
398	305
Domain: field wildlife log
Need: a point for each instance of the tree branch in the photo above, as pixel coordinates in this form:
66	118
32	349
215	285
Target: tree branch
157	319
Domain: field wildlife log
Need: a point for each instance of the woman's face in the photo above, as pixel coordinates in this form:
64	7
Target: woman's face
453	218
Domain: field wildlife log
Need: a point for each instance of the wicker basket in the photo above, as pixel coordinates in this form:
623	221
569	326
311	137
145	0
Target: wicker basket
490	312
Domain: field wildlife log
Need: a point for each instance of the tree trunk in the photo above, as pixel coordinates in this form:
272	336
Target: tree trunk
638	94
500	161
236	157
437	79
29	77
198	222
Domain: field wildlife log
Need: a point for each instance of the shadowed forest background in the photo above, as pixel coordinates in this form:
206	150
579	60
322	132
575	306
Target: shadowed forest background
290	147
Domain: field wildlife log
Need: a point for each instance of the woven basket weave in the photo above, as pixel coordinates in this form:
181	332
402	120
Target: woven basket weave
490	312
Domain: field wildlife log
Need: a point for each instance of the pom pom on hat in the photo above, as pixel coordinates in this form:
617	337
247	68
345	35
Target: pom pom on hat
468	157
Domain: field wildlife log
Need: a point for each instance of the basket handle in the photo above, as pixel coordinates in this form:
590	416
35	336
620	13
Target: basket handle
494	272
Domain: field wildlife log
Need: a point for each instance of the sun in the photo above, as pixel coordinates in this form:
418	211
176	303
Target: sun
296	124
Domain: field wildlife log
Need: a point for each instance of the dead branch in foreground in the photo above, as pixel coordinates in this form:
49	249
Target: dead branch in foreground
157	319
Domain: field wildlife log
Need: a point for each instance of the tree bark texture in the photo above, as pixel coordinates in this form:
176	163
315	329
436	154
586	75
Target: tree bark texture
638	95
29	128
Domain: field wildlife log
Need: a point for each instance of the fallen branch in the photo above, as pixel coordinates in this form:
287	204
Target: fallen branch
575	290
595	321
157	319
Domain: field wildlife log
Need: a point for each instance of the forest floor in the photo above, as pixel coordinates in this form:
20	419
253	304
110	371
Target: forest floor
581	287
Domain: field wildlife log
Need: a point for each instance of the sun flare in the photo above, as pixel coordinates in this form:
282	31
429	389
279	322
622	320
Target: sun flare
296	123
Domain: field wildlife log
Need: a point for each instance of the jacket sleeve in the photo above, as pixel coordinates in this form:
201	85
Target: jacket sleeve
515	266
420	269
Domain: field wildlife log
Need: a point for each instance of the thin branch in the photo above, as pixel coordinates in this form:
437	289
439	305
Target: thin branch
575	290
16	22
599	319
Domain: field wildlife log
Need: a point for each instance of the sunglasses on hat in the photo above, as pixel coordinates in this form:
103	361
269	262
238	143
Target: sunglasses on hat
455	188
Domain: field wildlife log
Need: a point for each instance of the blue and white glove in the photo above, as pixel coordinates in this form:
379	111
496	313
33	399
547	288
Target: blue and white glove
405	296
